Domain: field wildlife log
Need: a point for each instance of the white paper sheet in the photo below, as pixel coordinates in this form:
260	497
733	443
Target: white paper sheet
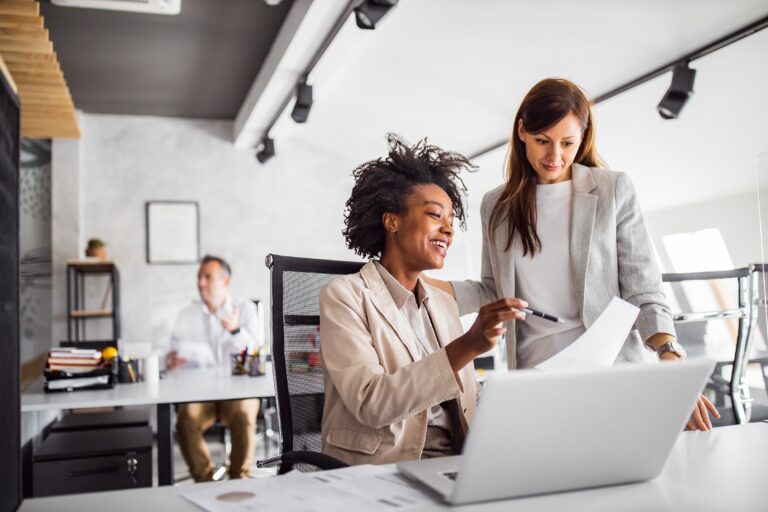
599	346
364	488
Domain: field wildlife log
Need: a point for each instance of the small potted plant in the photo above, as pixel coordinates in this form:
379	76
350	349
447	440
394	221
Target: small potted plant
96	249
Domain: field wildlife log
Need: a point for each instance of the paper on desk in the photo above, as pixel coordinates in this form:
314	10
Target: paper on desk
366	488
599	346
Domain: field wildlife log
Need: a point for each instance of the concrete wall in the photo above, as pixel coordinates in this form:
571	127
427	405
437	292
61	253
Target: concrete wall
292	205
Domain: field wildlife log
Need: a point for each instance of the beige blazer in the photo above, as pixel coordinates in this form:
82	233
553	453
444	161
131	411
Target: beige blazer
611	254
376	394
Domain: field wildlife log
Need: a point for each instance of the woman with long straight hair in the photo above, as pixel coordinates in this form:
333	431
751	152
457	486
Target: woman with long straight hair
567	235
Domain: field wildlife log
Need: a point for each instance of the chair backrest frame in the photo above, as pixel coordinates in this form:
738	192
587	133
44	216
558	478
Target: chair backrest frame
739	391
278	265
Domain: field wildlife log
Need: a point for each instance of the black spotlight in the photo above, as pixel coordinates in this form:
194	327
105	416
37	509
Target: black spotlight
678	93
267	150
370	12
303	104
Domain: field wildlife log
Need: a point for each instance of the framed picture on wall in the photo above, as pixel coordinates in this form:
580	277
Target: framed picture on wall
173	232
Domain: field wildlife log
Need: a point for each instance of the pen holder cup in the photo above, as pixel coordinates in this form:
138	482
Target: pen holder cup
250	365
128	371
255	366
238	366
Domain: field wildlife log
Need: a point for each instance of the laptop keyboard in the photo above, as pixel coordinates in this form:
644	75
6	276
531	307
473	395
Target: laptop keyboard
451	475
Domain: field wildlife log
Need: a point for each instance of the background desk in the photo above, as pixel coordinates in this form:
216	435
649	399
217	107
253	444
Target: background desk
725	469
180	386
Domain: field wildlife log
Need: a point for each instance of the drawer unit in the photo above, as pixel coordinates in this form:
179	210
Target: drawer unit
93	460
99	420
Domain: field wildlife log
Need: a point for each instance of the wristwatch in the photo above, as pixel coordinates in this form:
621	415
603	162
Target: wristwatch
674	347
235	331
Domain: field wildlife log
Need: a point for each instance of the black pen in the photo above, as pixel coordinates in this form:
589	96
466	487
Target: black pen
541	315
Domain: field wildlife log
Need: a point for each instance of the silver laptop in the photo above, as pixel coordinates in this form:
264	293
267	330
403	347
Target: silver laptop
538	432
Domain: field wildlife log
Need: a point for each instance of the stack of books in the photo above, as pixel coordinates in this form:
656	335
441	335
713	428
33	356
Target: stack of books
69	369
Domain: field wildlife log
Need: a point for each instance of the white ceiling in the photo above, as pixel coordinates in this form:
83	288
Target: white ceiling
456	70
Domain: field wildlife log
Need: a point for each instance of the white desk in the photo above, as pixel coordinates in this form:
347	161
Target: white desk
180	386
725	469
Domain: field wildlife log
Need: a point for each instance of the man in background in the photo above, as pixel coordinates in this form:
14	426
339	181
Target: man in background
208	333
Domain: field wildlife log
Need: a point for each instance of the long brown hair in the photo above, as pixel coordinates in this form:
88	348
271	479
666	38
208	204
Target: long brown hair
545	105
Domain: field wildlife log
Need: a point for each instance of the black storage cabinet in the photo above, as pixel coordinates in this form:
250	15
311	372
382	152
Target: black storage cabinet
93	460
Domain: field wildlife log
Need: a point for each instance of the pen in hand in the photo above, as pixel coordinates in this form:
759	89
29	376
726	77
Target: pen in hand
545	316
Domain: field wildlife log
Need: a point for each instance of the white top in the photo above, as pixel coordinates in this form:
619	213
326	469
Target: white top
546	280
414	308
199	337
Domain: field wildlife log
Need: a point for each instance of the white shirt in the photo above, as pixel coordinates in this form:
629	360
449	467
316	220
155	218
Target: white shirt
199	337
546	280
414	308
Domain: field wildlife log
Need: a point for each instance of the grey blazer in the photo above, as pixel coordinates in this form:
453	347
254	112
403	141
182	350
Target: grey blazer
611	254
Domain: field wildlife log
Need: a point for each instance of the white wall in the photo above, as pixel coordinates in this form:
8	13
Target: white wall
292	205
735	216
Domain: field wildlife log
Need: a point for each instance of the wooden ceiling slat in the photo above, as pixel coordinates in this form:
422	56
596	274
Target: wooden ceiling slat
48	119
28	57
60	126
45	76
47	110
20	8
43	68
45	133
44	100
43	91
24	33
69	130
25	45
35	69
39	110
15	20
33	78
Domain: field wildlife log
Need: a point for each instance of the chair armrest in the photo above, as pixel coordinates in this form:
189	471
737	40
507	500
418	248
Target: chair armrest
319	460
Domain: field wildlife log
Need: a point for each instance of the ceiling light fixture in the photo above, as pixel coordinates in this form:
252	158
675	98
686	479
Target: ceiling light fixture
267	150
678	93
303	105
703	51
370	12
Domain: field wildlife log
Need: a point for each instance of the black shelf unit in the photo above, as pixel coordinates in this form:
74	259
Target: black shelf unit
77	313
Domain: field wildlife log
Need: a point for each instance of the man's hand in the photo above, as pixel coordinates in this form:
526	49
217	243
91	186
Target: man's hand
485	332
172	360
231	321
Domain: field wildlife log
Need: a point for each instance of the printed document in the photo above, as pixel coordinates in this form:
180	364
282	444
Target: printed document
599	346
358	488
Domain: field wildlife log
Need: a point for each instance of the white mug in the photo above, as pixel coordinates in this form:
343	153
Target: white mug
152	368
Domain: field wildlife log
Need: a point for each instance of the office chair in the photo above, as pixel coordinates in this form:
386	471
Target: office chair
759	293
300	393
735	388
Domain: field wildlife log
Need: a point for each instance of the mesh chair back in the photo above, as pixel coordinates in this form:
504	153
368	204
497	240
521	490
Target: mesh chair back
296	285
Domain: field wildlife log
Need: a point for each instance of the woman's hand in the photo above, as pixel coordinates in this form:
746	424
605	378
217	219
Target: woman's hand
700	417
485	332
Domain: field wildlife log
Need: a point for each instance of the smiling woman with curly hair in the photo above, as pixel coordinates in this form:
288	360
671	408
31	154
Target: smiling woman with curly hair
383	186
399	383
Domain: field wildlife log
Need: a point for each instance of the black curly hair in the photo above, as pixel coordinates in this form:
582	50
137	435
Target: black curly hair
383	185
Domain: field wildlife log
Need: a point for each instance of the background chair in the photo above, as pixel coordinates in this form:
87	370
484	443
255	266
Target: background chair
691	331
299	389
